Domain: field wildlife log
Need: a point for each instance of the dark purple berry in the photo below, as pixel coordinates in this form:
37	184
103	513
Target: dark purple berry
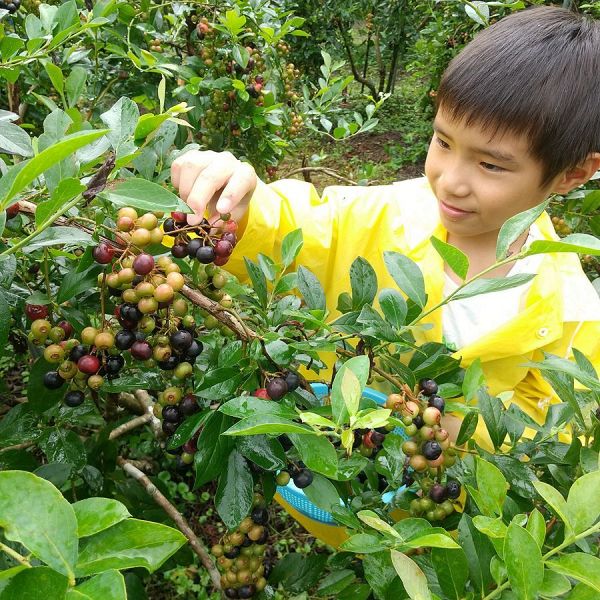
130	312
246	591
169	428
188	405
453	489
438	493
428	387
193	247
260	516
377	438
124	339
431	450
74	398
303	478
231	593
181	340
77	352
169	364
52	380
192	353
141	350
292	380
233	553
169	226
171	413
407	479
205	255
276	388
437	402
179	250
418	422
114	364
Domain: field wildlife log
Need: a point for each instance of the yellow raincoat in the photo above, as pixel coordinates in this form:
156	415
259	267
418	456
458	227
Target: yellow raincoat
562	309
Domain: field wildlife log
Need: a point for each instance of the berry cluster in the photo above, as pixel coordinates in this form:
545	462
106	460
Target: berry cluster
277	387
205	248
301	476
12	6
241	553
428	451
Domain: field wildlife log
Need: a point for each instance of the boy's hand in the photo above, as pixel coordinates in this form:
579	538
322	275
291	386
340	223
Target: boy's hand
216	181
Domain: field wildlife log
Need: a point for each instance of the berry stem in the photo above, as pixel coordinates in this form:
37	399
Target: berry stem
13	554
46	275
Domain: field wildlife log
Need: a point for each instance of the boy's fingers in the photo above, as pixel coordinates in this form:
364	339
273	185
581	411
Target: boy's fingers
242	182
186	169
207	184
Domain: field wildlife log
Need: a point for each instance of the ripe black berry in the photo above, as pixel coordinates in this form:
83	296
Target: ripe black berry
437	402
130	312
193	247
438	493
181	340
292	380
277	388
428	387
246	591
377	438
205	255
141	350
169	225
303	478
188	405
453	489
52	380
171	413
74	398
431	450
233	553
231	593
114	364
169	364
77	352
418	422
407	479
169	428
192	353
179	250
124	339
260	515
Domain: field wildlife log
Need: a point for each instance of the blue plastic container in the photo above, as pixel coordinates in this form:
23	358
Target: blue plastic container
297	498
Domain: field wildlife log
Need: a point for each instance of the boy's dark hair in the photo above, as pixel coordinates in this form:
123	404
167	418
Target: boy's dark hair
535	72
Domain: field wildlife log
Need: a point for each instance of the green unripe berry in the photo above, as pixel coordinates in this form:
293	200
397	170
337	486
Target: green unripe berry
183	370
219	280
57	334
187	458
88	335
282	478
40	329
54	354
211	322
95	382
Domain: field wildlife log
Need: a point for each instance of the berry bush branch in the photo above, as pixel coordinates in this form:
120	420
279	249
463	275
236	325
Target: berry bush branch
129	426
197	546
20	559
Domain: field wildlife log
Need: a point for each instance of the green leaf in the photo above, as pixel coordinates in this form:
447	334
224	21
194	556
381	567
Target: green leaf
523	560
323	493
298	572
583	513
433	540
267	424
248	406
492	410
311	289
75	84
14	139
148	380
537	527
467	427
259	281
145	195
335	582
235	493
317	453
485	286
362	543
110	584
554	498
580	566
188	429
213	448
63	445
373	418
413	579
393	306
220	383
29	170
56	76
554	585
363	281
455	258
96	514
493	528
60	235
582	592
492	485
515	226
122	119
373	520
360	366
66	190
382	577
451	570
290	247
128	544
38	583
351	391
52	537
478	550
264	451
582	243
5	325
407	275
473	380
75	283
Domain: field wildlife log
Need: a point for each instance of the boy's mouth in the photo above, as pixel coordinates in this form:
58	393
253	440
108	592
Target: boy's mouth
452	211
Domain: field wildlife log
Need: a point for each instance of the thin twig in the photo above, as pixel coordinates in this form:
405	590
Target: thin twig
197	546
17	447
20	559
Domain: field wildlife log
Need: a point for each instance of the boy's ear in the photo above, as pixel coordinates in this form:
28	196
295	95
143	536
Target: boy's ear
578	175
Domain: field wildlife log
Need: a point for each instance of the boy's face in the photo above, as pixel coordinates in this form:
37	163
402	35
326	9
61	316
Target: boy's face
480	181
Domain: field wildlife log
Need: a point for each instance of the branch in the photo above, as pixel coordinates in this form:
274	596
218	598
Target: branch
197	546
17	447
21	560
355	72
147	402
129	425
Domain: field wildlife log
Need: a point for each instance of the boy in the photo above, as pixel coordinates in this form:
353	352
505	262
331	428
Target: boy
518	119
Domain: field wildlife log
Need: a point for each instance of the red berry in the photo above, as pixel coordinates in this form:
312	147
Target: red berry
262	393
36	311
13	211
230	237
141	350
223	248
88	364
143	264
179	217
103	253
230	226
67	328
221	260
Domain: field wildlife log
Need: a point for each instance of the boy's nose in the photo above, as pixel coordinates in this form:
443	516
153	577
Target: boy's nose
453	183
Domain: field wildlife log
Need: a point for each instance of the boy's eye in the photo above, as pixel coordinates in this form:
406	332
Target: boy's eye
442	143
490	167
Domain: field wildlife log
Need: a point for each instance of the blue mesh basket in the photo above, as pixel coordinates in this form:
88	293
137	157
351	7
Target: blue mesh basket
297	498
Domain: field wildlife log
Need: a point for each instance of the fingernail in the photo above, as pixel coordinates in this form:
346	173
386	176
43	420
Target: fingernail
223	205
